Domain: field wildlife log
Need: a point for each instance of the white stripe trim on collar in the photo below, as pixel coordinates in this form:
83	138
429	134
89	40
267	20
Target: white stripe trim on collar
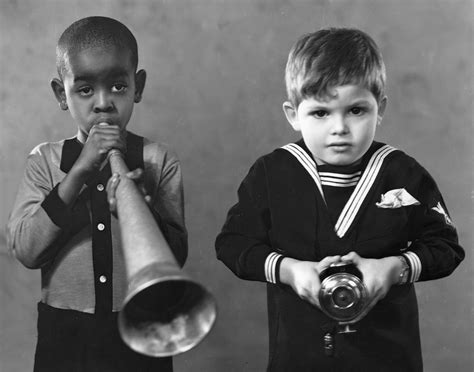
307	163
350	210
339	180
339	184
339	175
366	182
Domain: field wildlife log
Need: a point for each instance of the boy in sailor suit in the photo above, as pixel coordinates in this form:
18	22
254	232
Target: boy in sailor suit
339	196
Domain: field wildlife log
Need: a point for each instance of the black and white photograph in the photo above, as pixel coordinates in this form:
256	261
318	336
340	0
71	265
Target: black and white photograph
236	185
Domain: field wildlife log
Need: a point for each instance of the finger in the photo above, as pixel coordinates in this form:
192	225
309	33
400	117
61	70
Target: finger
351	257
330	260
326	262
105	141
312	299
112	141
112	184
315	295
112	205
144	192
110	188
136	174
105	129
113	181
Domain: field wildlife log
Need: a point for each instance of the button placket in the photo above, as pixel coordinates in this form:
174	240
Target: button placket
101	244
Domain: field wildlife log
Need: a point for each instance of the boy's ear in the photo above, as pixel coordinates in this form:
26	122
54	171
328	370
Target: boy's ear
381	109
59	92
140	79
291	115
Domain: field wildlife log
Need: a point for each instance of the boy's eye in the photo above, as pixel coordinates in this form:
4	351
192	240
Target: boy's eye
85	91
320	113
357	110
118	88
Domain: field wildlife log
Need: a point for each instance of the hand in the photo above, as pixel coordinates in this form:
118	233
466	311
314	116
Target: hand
101	139
303	276
378	275
135	175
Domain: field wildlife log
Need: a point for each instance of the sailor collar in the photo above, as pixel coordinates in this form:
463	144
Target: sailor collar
372	164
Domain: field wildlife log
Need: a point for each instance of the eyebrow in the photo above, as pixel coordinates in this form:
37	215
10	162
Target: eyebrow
112	74
361	101
321	105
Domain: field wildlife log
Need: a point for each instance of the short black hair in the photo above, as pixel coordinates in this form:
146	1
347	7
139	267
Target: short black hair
330	57
94	32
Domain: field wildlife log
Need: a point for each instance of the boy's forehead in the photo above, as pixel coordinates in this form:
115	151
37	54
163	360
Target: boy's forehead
353	92
98	60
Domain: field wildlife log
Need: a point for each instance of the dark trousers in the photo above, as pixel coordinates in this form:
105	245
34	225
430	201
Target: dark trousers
73	341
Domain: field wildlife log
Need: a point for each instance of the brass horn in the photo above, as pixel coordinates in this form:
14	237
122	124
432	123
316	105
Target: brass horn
165	312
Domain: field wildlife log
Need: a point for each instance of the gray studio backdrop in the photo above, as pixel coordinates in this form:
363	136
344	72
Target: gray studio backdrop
214	92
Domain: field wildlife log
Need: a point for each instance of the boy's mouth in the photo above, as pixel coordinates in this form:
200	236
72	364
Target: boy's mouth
106	120
340	145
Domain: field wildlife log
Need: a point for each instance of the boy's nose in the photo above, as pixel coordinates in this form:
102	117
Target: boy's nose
103	102
339	125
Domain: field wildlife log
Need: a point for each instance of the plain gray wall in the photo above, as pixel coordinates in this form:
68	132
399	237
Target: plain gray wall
214	92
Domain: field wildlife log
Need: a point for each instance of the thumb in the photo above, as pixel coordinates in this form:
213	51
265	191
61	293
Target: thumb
326	262
351	257
136	174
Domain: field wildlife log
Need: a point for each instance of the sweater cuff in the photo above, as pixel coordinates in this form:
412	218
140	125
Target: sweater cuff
56	209
272	267
415	265
73	218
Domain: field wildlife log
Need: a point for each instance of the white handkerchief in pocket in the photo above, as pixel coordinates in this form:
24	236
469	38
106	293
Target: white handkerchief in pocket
396	198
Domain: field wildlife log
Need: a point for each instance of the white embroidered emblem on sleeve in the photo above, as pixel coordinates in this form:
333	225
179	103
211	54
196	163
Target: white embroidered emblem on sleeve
396	198
439	208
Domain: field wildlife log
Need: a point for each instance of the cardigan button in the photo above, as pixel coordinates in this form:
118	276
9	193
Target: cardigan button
100	187
100	227
102	279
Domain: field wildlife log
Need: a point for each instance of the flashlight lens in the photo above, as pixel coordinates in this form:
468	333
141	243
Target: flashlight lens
343	297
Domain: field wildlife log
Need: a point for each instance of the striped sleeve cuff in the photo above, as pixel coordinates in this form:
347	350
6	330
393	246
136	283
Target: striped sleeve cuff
272	267
415	266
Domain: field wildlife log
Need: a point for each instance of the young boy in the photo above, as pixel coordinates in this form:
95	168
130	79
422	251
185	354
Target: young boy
61	221
338	196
